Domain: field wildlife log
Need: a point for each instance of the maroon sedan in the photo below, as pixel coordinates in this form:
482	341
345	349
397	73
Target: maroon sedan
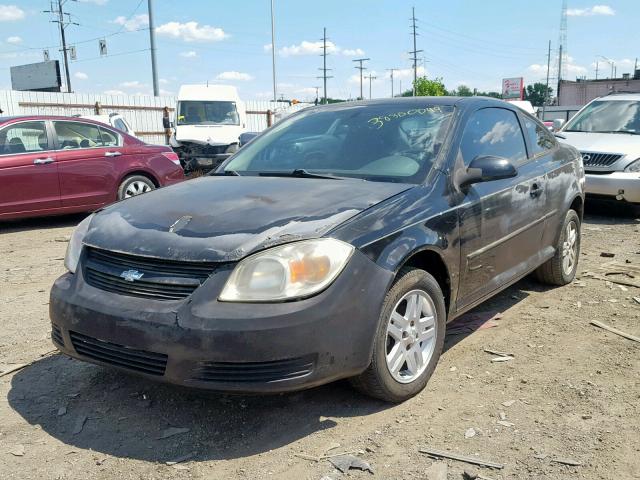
53	165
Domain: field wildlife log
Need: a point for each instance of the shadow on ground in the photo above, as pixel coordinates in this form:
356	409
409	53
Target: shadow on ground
40	223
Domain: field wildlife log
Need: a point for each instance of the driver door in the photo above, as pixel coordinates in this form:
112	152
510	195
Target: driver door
502	221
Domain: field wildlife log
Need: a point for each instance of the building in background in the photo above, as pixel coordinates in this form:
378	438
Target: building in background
582	91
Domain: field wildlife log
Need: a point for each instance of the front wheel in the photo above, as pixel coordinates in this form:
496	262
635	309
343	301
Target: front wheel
134	185
409	339
562	267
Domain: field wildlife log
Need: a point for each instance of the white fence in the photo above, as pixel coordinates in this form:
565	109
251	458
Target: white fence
144	113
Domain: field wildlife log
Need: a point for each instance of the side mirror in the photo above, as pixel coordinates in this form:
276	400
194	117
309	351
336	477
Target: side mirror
557	124
246	137
487	168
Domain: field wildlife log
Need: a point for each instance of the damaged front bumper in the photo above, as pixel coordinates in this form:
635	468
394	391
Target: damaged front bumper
236	347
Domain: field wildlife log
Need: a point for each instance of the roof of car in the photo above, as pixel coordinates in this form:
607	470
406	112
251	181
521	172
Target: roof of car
44	117
621	96
463	102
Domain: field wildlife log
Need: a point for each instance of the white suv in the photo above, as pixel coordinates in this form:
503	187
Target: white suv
607	133
115	120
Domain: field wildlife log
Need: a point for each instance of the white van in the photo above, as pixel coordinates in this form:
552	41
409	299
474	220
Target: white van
209	122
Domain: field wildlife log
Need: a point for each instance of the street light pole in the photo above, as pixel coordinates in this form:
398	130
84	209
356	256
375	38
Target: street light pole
152	42
273	53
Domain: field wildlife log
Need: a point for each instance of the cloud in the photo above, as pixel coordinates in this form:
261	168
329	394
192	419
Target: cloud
134	23
114	92
591	11
133	84
81	76
189	54
164	81
14	40
234	76
267	47
407	73
11	13
352	52
569	67
191	32
306	48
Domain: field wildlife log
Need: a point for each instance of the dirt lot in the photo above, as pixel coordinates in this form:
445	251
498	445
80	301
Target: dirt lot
572	391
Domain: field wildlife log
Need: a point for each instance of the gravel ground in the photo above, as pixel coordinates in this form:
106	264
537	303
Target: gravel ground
572	390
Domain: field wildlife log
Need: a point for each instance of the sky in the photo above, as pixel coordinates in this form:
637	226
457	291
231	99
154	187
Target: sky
469	42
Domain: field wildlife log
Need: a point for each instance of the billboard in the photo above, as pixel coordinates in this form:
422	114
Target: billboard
513	88
41	76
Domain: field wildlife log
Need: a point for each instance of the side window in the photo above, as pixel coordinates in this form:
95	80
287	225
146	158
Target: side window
539	137
109	139
119	124
493	131
23	137
77	135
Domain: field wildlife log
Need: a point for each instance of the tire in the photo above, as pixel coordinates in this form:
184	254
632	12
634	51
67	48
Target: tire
378	380
133	184
554	271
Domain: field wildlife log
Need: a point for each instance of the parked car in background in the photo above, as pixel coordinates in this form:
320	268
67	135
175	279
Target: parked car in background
209	122
337	244
607	133
52	165
115	120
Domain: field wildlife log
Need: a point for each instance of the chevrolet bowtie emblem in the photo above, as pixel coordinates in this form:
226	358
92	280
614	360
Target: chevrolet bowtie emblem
131	275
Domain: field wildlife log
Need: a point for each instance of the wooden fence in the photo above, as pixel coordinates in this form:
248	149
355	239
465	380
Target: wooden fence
144	113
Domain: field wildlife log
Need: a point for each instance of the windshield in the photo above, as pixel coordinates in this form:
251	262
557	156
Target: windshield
207	113
607	116
393	143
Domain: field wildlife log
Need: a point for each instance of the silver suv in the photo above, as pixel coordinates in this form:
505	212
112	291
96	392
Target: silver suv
607	133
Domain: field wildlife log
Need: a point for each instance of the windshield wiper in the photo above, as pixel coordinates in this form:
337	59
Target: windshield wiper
225	173
299	173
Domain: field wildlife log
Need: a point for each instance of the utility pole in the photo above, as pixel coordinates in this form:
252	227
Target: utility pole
597	63
370	77
152	42
273	53
361	68
391	70
63	24
324	68
559	73
415	50
317	88
546	89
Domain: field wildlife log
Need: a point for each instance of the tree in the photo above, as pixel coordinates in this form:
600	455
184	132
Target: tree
463	91
535	94
429	88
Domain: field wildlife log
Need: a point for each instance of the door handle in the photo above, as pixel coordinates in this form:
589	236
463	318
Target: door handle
43	161
536	190
112	154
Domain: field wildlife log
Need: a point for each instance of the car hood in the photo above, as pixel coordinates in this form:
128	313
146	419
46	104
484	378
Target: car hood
209	134
619	143
227	218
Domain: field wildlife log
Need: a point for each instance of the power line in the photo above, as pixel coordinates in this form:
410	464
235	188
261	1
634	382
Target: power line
63	24
324	68
415	50
361	68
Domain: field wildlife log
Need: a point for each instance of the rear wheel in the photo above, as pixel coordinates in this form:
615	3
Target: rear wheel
134	185
561	268
409	339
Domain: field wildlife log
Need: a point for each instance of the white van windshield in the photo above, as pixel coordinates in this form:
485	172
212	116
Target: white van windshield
196	112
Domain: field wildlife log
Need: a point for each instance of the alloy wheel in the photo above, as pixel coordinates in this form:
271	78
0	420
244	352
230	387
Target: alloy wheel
570	248
136	188
411	336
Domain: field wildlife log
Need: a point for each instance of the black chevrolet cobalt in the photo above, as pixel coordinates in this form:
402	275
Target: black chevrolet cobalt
337	244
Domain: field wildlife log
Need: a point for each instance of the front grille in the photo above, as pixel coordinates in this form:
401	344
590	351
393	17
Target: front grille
591	159
247	372
118	355
56	336
159	279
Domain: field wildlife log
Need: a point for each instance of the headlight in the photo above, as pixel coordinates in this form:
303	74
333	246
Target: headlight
286	272
74	248
633	166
